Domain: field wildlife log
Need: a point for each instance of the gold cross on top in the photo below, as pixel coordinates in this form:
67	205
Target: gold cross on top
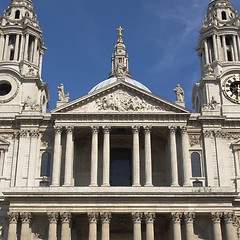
120	29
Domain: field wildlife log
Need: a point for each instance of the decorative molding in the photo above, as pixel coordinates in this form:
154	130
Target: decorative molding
31	105
137	217
34	133
207	134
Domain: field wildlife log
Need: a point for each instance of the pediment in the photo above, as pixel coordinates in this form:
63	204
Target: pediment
120	98
4	144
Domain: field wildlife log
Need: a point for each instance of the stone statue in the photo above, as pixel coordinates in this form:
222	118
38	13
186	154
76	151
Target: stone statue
179	93
121	71
62	96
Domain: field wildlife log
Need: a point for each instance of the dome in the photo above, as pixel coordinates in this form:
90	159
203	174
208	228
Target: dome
114	79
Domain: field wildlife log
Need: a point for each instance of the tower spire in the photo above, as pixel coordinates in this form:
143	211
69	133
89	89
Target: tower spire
120	58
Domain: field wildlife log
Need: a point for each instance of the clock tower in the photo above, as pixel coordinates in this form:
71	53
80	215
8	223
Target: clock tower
22	90
218	92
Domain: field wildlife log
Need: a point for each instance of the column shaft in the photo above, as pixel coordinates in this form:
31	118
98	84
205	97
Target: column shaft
57	157
12	230
35	51
92	217
105	219
94	157
215	48
106	156
224	48
235	48
21	52
65	230
2	46
52	231
176	226
189	218
25	230
216	223
136	156
185	157
16	50
149	219
148	156
26	47
173	153
228	220
206	51
40	63
68	177
137	225
6	48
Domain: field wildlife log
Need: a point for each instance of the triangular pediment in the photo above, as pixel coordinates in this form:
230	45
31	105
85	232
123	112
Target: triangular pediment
120	98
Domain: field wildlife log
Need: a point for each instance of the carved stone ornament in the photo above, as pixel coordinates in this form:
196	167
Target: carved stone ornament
207	133
6	136
216	217
149	217
53	217
135	129
194	140
189	217
176	217
65	217
106	129
213	105
137	217
26	217
95	129
23	133
120	101
13	217
105	217
236	223
172	129
31	105
147	129
228	217
93	217
34	133
58	129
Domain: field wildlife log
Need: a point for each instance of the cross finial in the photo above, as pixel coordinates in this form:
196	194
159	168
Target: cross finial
120	29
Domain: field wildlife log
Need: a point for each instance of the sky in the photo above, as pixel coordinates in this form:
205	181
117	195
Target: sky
160	36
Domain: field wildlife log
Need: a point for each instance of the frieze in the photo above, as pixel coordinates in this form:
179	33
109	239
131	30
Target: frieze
194	140
6	136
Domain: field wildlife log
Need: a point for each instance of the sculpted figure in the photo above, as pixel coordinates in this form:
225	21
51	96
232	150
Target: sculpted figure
179	93
62	97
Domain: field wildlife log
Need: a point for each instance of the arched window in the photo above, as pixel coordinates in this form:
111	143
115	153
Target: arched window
196	165
17	14
224	15
45	164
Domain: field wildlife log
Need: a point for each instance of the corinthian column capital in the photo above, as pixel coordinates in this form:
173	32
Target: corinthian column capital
53	217
137	217
13	217
149	217
93	217
176	217
65	217
105	217
189	217
26	217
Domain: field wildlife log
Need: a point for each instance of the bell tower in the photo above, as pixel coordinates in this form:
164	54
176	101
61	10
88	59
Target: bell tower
218	92
21	53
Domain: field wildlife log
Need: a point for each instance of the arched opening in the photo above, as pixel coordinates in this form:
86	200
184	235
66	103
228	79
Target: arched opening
45	164
121	167
229	45
17	14
224	15
196	164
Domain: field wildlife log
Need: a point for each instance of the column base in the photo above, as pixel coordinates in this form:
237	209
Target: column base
148	185
93	185
136	185
175	185
187	185
105	185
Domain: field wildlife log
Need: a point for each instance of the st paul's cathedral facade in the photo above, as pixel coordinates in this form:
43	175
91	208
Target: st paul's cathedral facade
119	162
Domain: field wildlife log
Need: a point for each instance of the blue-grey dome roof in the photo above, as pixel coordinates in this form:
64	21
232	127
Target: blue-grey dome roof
114	79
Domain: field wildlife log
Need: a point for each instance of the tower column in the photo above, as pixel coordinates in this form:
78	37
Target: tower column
136	156
137	225
106	156
25	231
148	156
52	231
185	157
105	219
224	48
6	47
40	63
16	50
68	178
12	230
57	157
235	47
238	43
35	59
94	156
216	223
206	51
149	219
92	218
215	48
26	47
2	48
176	226
66	230
173	153
189	218
228	221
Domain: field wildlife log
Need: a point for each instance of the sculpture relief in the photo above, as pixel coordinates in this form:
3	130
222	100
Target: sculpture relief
31	105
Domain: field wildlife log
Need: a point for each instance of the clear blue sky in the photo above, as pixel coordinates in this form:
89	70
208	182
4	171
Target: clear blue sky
160	37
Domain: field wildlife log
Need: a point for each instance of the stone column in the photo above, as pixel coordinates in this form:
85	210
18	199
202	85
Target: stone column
228	221
215	48
33	156
2	48
6	47
105	219
35	51
216	222
136	156
189	218
66	230
57	157
21	51
149	220
185	157
26	47
224	48
238	44
16	50
12	230
176	226
148	156
94	156
52	231
173	154
68	173
106	156
137	225
206	51
40	63
14	158
235	48
92	218
25	230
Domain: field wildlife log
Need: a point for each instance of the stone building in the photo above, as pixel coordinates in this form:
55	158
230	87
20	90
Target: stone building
119	162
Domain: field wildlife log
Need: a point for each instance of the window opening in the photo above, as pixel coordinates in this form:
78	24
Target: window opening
196	164
224	15
45	164
17	14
